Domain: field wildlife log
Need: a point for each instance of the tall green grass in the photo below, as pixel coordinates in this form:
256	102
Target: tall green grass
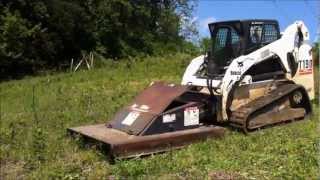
35	113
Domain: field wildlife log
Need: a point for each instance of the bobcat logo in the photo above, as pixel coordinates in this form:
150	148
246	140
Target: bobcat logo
240	64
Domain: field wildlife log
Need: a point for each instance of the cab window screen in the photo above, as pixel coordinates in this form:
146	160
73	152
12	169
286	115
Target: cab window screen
234	37
265	33
270	33
221	39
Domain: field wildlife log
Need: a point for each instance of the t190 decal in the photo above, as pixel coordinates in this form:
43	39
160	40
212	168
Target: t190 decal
305	66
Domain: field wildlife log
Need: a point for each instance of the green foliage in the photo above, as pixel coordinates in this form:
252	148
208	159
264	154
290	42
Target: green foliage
42	34
315	53
30	151
317	47
38	145
315	57
127	28
15	33
205	44
37	34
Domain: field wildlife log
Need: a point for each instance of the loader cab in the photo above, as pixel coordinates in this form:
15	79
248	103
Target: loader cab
231	39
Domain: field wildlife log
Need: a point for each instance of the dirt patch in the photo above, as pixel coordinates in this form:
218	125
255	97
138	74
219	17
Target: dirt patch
223	175
11	170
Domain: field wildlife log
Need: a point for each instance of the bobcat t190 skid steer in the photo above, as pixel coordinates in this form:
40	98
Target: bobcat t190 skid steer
252	77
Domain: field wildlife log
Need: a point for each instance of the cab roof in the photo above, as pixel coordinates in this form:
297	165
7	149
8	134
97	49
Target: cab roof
245	21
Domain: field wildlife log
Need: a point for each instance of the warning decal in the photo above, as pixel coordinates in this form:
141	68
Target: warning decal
191	116
168	118
131	117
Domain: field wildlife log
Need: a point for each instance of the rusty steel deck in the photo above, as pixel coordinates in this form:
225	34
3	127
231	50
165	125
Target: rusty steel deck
121	145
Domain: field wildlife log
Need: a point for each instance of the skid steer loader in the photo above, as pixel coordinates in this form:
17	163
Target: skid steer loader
253	76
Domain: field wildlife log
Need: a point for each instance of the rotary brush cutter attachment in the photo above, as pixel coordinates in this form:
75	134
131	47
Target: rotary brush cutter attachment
161	118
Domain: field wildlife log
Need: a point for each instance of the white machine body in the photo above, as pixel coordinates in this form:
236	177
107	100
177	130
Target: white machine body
288	43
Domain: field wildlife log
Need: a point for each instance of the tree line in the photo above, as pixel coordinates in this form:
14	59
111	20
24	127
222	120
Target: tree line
46	34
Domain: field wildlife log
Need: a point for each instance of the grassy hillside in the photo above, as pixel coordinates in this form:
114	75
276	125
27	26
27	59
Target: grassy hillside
35	113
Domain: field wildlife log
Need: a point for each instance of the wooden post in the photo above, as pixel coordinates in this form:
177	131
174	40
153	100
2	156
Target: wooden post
91	59
75	69
71	65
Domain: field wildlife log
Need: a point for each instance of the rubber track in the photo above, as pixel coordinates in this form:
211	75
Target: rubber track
239	118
